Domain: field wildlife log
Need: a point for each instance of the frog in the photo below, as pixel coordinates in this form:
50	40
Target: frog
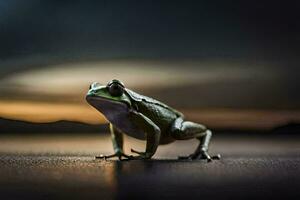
147	119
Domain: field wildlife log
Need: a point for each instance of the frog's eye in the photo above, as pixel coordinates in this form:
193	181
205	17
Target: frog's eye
115	81
115	89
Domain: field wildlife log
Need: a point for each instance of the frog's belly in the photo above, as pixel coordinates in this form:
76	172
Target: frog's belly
126	126
123	123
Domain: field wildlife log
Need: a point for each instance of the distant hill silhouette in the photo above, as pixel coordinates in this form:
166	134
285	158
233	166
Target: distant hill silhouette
16	126
290	128
286	129
9	126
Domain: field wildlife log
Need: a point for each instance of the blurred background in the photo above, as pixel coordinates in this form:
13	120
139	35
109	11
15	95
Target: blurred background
227	64
231	65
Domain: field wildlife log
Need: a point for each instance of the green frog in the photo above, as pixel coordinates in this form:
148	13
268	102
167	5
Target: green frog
144	118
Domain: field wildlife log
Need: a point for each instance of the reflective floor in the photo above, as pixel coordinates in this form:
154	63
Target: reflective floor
63	166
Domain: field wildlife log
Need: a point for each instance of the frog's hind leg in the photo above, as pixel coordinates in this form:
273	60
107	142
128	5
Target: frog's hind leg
201	151
183	130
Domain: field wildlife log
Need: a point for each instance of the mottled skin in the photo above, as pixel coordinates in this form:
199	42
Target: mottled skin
144	118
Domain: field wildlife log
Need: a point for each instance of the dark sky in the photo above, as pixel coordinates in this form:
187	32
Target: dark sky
34	31
37	33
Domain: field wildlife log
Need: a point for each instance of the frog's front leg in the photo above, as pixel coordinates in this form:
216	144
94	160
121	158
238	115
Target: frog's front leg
117	141
183	130
152	134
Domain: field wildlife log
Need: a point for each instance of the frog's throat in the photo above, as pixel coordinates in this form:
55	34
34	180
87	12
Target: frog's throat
117	113
109	108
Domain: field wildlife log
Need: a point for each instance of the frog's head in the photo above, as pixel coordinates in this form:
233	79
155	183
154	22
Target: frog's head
111	99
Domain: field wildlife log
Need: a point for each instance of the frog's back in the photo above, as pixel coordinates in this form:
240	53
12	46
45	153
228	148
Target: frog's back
145	99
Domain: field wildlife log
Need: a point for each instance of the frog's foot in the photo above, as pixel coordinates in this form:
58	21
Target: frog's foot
119	155
141	155
203	155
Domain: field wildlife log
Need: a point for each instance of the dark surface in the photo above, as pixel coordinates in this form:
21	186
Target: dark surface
83	177
251	167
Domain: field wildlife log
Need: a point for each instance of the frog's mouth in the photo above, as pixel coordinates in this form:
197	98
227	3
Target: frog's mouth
92	100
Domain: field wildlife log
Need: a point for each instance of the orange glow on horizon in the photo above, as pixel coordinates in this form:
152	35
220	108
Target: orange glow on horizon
49	112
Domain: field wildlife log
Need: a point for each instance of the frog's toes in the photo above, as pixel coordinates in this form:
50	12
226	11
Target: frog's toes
118	155
200	156
106	157
205	155
216	157
137	152
100	157
190	157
